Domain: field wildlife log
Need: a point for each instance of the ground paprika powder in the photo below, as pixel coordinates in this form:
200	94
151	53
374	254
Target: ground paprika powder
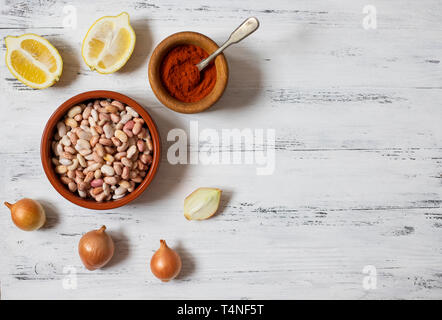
181	77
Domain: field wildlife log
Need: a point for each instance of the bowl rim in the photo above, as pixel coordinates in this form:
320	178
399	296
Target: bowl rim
46	149
187	37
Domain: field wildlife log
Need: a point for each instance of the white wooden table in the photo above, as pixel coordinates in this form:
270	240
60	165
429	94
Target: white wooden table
357	180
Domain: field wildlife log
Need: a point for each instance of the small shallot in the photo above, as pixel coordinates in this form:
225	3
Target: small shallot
165	263
96	248
27	214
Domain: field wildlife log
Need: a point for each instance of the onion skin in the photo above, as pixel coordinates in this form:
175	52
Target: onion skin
27	214
96	248
165	263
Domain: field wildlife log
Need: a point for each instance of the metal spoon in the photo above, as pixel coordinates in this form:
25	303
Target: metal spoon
245	29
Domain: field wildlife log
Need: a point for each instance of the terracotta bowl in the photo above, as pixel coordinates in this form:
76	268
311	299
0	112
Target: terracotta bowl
48	133
199	40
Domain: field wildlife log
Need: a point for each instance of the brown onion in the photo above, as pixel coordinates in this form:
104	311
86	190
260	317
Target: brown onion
27	214
165	263
96	248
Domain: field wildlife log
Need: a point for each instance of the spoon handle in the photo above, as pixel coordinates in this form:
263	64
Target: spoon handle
245	29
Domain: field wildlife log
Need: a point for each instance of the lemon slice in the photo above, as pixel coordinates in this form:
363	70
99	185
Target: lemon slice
33	60
109	43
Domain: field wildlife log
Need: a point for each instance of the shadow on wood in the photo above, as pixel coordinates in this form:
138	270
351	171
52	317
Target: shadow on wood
188	262
244	84
52	216
168	176
122	248
71	63
143	47
226	195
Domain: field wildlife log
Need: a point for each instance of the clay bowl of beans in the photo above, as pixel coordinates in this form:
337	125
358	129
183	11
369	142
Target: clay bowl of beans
100	150
176	81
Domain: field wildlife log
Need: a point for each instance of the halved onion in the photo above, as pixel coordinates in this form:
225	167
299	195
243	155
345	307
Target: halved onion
202	203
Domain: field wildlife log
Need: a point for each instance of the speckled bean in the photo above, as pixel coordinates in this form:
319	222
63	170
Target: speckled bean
118	104
126	162
96	183
61	129
61	169
107	170
100	197
149	144
141	145
137	128
65	162
105	141
131	151
74	165
132	112
71	122
65	141
125	118
115	118
74	111
111	180
108	131
85	152
120	190
97	174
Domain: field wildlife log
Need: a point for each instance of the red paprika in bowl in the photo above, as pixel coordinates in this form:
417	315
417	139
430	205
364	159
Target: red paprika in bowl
194	95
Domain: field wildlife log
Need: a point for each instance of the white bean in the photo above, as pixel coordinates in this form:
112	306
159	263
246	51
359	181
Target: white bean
107	170
81	160
131	151
92	167
65	141
132	112
112	181
115	197
84	135
61	129
126	162
94	115
91	121
106	189
108	131
120	190
65	162
149	144
125	118
83	144
74	111
59	148
61	169
121	135
94	132
85	152
89	157
74	165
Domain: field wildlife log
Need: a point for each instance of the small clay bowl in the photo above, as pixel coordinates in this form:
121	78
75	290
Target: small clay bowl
199	40
46	152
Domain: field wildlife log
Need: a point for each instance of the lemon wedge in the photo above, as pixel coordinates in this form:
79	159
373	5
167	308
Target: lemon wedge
109	43
33	60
